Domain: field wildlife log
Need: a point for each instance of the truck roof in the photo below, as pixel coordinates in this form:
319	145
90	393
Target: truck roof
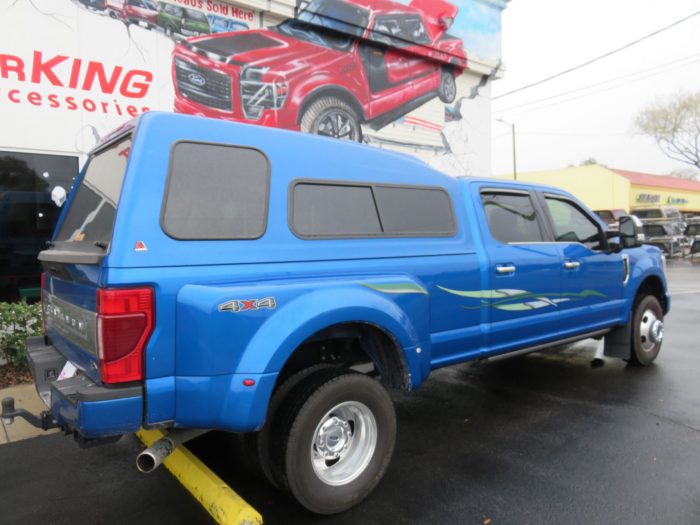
494	181
305	155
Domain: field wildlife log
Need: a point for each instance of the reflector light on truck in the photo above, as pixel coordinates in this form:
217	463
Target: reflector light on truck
41	296
125	320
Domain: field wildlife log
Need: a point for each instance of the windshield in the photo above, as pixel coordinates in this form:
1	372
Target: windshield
654	230
315	35
196	15
648	214
336	15
90	219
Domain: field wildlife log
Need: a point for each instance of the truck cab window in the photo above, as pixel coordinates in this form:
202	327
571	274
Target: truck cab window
572	225
511	217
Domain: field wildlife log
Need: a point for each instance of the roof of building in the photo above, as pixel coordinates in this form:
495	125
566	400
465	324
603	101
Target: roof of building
662	181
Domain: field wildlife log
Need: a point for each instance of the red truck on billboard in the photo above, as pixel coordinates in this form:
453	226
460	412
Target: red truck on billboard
140	12
336	65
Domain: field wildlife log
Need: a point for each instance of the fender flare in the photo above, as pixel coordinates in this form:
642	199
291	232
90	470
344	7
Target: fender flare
278	338
327	89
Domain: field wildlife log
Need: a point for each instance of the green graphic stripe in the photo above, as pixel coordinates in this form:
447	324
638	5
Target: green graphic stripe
396	288
507	305
485	294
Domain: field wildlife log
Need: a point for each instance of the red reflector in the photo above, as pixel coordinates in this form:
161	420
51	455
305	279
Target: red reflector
248	382
41	296
125	320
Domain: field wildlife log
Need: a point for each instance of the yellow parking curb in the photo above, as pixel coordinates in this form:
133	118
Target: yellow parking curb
224	505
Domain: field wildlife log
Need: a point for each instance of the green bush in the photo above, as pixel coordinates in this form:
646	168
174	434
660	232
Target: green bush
17	322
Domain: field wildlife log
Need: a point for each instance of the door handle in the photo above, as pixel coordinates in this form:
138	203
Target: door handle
571	265
502	269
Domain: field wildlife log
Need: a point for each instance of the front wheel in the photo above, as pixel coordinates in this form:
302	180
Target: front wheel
647	330
448	87
332	117
337	438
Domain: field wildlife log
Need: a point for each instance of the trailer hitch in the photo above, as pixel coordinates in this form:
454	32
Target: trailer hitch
44	421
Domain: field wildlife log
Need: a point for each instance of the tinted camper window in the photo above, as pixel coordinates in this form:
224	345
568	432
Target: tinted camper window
328	210
216	192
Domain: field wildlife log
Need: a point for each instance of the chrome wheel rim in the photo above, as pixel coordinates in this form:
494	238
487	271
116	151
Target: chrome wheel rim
339	125
344	443
651	331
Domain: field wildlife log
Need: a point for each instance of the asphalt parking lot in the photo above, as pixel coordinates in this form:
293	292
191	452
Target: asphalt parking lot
544	438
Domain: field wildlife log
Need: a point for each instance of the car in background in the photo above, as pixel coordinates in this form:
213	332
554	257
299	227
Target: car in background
98	5
221	24
662	234
337	65
659	212
611	217
692	235
181	21
140	12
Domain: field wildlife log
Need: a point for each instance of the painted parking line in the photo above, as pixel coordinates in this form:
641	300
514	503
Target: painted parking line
224	505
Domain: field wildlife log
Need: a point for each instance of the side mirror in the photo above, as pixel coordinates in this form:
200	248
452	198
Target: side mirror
446	22
631	232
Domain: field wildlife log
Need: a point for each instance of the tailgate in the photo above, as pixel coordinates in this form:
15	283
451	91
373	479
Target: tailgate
70	314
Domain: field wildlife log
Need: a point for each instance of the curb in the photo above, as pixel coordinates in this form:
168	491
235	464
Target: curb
220	501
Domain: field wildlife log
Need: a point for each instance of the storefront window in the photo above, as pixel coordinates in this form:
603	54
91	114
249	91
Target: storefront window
28	216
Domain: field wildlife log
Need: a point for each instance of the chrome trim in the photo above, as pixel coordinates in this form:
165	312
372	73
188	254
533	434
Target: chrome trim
74	323
505	269
627	269
571	265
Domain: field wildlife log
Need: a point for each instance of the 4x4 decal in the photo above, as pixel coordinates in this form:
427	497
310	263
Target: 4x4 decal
244	305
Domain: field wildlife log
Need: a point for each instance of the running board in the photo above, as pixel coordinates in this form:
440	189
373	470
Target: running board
387	118
590	335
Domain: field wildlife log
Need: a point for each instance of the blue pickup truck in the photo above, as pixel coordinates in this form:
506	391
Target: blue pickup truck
213	275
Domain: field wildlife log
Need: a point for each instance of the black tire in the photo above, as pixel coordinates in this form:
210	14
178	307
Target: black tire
448	86
647	330
258	443
346	415
332	117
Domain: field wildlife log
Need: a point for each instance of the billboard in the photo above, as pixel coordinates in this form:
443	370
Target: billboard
402	74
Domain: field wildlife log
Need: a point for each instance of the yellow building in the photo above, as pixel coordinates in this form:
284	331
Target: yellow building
602	188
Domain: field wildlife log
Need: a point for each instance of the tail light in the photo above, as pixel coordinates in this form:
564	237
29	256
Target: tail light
41	297
125	321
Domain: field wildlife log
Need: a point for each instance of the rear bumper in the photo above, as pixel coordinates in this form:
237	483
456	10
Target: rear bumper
78	404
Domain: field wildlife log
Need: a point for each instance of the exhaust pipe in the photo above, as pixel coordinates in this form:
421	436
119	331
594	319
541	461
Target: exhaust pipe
151	458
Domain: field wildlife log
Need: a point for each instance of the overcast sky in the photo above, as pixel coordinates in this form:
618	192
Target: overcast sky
543	37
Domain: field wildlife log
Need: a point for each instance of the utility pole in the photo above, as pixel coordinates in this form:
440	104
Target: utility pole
512	129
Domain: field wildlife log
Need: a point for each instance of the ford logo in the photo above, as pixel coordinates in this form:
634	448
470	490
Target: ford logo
196	79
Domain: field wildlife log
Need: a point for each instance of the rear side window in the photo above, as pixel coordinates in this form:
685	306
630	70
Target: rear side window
329	210
511	217
415	210
90	217
216	191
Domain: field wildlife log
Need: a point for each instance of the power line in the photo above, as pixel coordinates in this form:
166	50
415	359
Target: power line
560	134
595	92
663	68
605	55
